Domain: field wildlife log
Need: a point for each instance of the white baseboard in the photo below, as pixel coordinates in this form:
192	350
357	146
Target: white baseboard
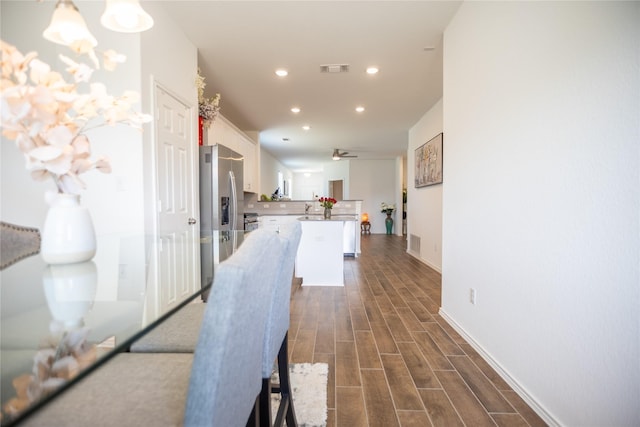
517	387
424	261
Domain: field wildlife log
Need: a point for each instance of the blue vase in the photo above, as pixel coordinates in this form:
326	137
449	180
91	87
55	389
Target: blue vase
388	222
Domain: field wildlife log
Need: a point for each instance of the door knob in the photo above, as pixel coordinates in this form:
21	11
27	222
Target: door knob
192	221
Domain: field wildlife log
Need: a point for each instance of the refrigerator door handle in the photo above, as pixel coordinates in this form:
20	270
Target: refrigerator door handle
234	201
234	207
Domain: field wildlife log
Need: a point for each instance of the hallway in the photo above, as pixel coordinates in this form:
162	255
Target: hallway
392	360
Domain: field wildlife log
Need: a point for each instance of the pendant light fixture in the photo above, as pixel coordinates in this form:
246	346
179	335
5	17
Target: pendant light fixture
67	26
126	16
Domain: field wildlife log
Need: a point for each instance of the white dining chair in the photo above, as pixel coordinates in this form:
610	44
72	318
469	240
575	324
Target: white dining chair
217	385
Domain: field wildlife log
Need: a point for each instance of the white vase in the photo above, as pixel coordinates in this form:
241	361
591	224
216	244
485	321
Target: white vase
68	235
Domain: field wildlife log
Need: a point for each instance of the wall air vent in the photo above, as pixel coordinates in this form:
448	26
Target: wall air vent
414	244
334	68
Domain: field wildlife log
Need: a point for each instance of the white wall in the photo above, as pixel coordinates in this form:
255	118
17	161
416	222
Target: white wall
424	204
540	200
306	187
269	168
374	182
336	170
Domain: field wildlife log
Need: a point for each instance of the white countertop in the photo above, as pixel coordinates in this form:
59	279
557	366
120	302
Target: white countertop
333	218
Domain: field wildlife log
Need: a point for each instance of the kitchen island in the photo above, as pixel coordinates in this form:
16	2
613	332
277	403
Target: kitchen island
320	258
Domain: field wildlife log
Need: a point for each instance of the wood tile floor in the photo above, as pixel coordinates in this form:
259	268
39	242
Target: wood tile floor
393	361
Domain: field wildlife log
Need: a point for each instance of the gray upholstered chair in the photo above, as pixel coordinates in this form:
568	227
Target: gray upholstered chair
218	385
17	242
179	334
276	336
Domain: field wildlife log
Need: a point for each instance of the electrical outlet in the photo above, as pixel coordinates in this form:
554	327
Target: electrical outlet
472	296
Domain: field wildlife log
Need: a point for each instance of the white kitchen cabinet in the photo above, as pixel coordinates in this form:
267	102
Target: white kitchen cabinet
230	138
223	132
248	150
216	133
349	238
319	260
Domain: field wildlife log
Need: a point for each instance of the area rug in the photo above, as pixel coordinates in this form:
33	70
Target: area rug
309	389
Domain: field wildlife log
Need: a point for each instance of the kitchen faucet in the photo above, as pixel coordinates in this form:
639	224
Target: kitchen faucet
306	208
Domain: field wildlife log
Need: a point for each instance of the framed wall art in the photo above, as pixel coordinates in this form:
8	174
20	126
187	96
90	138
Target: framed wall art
429	162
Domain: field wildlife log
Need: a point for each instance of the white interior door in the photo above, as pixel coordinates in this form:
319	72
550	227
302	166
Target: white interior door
177	231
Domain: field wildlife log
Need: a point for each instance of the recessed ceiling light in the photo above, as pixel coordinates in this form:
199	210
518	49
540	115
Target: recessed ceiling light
295	110
359	109
372	70
281	72
306	127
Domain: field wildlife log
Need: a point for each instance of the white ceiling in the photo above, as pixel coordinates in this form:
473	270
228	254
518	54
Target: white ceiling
241	43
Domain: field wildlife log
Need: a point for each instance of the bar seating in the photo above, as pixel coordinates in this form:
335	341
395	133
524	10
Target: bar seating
179	334
276	337
218	385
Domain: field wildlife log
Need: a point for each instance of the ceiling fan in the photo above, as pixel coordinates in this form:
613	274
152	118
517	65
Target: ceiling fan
337	155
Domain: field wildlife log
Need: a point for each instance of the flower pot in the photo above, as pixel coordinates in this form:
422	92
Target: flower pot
327	213
67	235
388	223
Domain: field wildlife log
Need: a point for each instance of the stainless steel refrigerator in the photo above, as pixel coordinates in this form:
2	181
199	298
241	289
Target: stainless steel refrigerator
221	207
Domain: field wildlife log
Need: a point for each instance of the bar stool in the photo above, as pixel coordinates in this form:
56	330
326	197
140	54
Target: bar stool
276	337
179	333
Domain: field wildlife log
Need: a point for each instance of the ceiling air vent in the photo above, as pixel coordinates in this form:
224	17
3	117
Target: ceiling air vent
334	68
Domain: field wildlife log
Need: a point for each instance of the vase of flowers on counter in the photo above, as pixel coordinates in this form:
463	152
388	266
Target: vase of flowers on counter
327	203
388	209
